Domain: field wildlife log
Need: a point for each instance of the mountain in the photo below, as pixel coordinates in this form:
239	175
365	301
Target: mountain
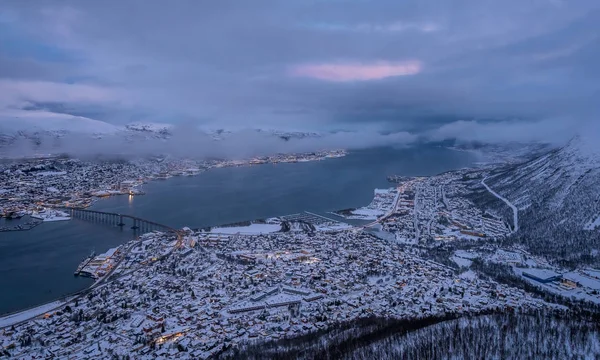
39	127
44	122
35	132
156	128
558	199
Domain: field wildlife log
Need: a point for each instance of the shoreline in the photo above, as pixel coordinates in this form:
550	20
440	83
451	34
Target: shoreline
96	199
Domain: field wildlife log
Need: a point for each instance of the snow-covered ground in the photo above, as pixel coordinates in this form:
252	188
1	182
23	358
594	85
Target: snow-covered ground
50	173
333	226
383	202
28	314
462	262
51	215
468	275
513	207
587	289
592	224
251	229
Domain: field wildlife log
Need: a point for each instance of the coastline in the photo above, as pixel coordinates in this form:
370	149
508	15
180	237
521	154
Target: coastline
95	200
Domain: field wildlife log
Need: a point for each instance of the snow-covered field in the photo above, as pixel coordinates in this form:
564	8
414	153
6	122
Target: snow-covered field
383	202
333	226
461	261
251	229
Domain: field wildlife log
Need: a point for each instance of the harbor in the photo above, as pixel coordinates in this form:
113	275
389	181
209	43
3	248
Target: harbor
97	266
18	224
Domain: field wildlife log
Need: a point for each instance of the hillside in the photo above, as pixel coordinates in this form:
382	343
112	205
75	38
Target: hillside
558	199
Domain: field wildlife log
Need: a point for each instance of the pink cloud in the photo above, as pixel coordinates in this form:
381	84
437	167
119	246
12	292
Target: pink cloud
357	71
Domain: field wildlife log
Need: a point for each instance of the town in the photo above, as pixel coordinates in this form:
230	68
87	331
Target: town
198	292
207	292
31	187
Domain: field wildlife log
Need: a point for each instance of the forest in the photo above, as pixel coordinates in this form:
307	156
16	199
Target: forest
547	335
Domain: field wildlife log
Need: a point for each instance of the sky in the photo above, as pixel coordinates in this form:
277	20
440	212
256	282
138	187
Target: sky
475	70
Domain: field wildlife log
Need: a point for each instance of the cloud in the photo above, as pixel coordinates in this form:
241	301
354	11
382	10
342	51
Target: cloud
18	92
357	72
394	27
399	66
90	138
555	130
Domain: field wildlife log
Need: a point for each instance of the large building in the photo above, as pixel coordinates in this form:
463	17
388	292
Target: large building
542	275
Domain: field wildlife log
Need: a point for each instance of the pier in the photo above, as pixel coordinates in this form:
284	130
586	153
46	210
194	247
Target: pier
120	220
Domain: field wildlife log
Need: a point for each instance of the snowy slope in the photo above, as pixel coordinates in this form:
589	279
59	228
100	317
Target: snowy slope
34	121
557	175
557	195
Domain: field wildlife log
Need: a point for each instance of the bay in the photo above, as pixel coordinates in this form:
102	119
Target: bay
37	266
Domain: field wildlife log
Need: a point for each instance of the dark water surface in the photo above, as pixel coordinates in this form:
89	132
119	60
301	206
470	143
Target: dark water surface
229	195
37	266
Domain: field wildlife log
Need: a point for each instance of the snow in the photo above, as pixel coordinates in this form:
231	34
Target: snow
51	215
468	275
593	273
50	173
252	229
28	314
592	224
149	126
379	206
19	120
461	261
466	254
585	281
541	273
514	208
333	226
367	214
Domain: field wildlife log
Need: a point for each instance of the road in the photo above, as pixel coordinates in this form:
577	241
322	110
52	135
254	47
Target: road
513	207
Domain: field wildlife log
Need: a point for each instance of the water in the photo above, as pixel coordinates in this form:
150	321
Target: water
37	266
229	195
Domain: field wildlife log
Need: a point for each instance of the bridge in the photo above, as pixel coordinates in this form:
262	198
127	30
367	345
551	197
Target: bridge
121	220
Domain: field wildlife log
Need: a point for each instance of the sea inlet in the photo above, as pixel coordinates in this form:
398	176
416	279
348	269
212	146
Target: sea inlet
36	266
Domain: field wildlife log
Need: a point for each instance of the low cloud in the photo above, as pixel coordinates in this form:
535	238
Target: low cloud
555	130
189	141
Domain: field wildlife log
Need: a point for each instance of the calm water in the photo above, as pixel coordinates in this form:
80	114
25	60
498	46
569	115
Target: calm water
228	195
37	266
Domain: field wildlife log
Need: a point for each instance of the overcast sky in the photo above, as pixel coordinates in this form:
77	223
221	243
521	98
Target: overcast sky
474	69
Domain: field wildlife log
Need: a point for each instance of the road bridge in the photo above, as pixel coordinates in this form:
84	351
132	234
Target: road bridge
122	220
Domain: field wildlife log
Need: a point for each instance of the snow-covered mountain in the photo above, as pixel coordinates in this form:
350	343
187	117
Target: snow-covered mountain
45	122
558	197
52	132
157	128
